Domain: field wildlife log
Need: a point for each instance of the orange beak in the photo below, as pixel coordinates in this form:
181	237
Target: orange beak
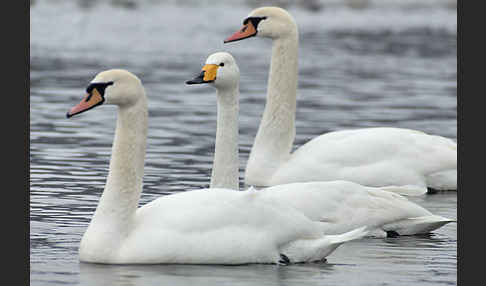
89	101
248	30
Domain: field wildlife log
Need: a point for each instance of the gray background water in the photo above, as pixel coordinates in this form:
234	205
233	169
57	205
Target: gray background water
361	63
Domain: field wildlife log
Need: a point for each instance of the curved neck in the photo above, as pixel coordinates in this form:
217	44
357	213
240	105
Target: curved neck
276	133
225	172
120	197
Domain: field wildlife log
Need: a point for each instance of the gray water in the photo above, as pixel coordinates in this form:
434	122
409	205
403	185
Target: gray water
384	63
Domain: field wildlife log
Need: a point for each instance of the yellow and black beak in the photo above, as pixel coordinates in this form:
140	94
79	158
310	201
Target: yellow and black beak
248	30
208	74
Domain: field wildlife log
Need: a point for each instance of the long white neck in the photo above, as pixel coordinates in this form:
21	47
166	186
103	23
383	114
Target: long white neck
119	200
276	133
225	172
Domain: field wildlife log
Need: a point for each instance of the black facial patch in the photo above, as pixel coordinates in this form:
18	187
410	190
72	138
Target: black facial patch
254	21
100	87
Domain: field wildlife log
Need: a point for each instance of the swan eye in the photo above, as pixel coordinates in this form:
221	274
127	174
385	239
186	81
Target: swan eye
221	64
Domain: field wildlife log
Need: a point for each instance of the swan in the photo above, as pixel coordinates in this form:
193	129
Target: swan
205	226
408	161
339	206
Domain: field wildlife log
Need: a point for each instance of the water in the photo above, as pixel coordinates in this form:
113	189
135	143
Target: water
387	64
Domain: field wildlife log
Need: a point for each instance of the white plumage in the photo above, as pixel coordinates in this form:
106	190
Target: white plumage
208	226
338	206
403	160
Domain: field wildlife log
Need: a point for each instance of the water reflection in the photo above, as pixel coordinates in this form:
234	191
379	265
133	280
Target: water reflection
95	274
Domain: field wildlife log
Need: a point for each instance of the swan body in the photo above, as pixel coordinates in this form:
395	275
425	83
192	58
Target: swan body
211	226
338	206
343	205
222	226
207	226
404	160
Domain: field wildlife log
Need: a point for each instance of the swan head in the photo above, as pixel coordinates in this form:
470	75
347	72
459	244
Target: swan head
115	86
220	71
268	22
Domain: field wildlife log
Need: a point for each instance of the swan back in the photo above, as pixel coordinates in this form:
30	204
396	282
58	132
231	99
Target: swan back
341	206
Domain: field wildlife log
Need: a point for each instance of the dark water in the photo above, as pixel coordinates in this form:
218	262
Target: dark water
382	65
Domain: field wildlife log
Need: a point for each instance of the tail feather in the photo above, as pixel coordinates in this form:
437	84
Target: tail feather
445	180
418	225
348	236
306	250
406	190
334	241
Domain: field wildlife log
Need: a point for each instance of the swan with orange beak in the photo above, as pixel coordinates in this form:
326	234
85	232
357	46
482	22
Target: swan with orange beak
95	95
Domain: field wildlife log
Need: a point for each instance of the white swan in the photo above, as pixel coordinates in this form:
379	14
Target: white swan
206	226
405	160
340	206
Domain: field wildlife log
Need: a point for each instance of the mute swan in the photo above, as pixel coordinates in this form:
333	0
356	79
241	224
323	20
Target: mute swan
407	161
206	226
340	206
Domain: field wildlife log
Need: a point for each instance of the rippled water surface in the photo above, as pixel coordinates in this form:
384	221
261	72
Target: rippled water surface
378	65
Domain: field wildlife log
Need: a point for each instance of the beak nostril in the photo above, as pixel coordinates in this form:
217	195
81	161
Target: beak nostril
88	97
